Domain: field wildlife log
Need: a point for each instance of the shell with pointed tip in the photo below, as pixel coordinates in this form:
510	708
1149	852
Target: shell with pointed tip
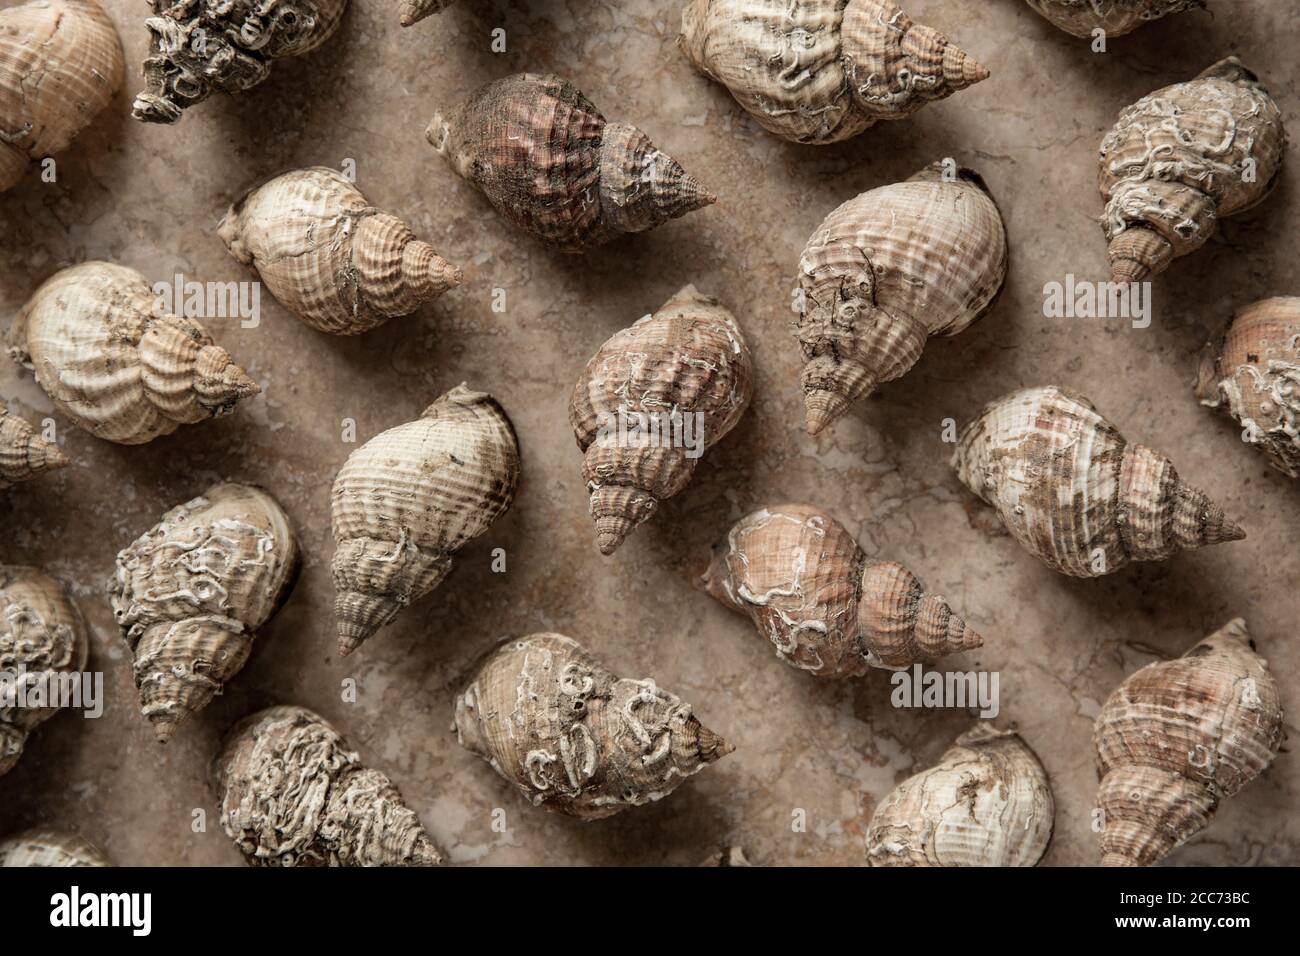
60	64
1115	17
24	454
191	592
820	71
41	847
1074	492
117	366
413	11
887	270
42	636
197	49
987	802
655	397
825	606
574	737
405	501
550	163
330	257
1178	736
1182	158
293	793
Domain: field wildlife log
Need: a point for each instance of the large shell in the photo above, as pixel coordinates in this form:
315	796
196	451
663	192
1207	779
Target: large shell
573	737
887	270
60	64
685	367
987	802
1178	736
1114	17
1252	372
293	793
116	366
408	499
330	257
191	592
42	636
200	47
42	847
24	454
547	160
1182	158
820	71
413	11
826	607
1074	492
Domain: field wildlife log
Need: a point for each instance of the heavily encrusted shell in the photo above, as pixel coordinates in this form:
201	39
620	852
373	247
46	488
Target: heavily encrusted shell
687	359
42	635
42	847
1182	158
293	793
1074	492
549	162
191	592
1178	736
405	501
116	366
413	11
24	454
574	737
986	803
887	270
1115	17
826	607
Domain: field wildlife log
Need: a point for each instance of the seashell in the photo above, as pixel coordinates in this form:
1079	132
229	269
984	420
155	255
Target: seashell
1182	158
655	397
987	802
408	499
574	737
1252	372
413	11
1114	17
1178	736
116	366
293	793
42	636
60	65
551	164
197	48
330	257
1074	492
24	454
826	607
886	271
192	591
41	847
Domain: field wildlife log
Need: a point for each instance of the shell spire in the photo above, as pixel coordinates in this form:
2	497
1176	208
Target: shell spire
42	847
24	453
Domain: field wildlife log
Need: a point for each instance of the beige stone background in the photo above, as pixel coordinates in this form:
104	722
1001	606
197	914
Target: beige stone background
150	197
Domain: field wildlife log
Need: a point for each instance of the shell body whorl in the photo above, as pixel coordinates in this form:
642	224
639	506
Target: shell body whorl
43	847
24	454
1114	17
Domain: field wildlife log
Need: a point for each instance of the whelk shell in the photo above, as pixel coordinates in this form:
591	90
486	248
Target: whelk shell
1114	17
24	454
43	847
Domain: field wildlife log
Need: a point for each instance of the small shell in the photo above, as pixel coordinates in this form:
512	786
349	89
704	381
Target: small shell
826	607
413	11
24	454
1074	492
654	398
986	803
573	737
190	594
116	366
293	793
1178	736
547	160
50	848
1114	17
408	499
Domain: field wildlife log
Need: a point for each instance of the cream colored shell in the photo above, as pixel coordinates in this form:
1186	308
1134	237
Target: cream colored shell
1113	17
413	11
42	847
24	454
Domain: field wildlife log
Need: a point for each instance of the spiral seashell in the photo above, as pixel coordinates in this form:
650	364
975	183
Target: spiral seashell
60	65
1182	158
24	454
548	161
1177	737
41	847
42	636
987	802
1114	17
655	397
821	71
826	607
330	257
886	271
293	793
408	499
413	11
116	366
198	47
1074	492
574	737
192	591
1252	372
